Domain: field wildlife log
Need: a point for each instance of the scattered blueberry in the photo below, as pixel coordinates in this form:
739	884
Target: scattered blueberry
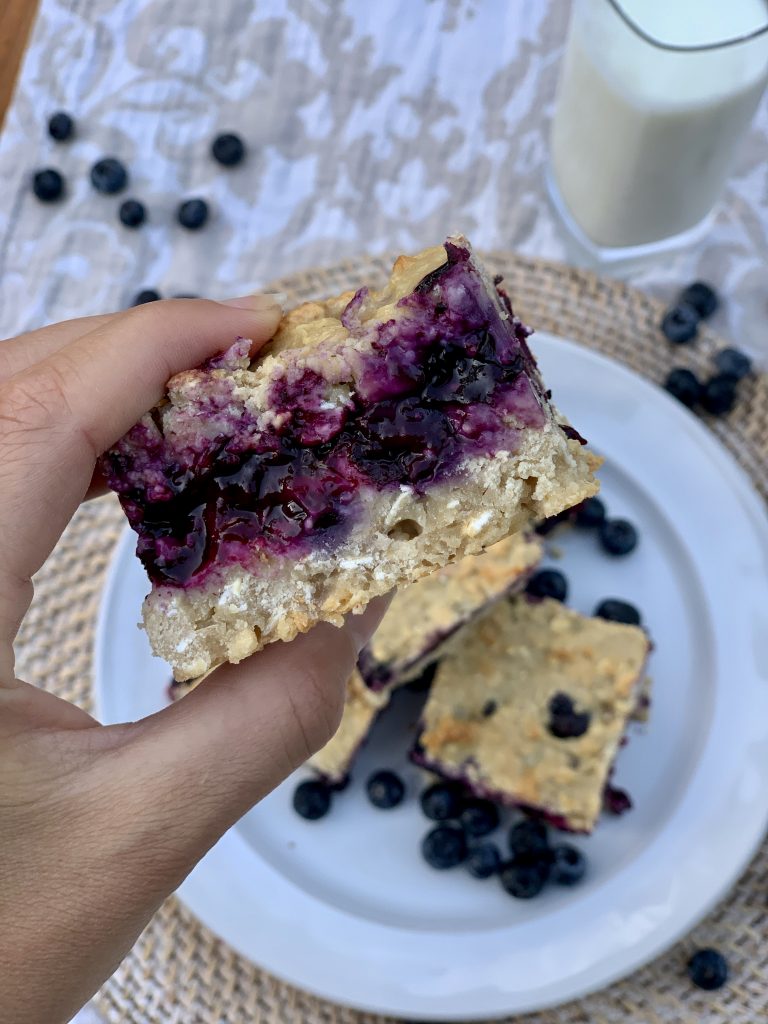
529	841
444	847
479	817
48	185
146	295
618	536
483	860
733	363
192	214
708	969
523	881
228	149
548	583
132	213
385	789
565	722
108	175
442	800
719	394
701	297
312	799
423	682
614	610
590	514
60	126
684	385
680	324
490	708
569	865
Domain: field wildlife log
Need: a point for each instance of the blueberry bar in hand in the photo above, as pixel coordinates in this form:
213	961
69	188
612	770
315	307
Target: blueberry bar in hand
379	436
530	709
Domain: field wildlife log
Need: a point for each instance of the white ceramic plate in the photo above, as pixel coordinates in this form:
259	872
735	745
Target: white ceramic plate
345	907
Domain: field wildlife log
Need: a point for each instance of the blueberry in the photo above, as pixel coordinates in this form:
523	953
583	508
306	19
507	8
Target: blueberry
312	800
529	841
590	514
618	536
548	583
146	295
132	213
614	610
61	126
185	295
490	708
719	394
734	363
680	324
684	385
702	297
228	149
444	847
423	682
483	860
108	175
565	722
442	800
569	865
192	214
385	789
479	817
48	185
523	881
708	969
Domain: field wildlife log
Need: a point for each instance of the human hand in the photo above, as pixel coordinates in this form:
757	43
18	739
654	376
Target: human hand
99	824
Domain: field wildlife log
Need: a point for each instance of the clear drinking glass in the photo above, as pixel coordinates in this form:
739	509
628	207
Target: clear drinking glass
653	100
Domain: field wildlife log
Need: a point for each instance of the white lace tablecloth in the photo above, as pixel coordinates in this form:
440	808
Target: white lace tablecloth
370	126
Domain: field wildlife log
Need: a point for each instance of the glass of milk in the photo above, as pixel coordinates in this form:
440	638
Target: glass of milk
653	100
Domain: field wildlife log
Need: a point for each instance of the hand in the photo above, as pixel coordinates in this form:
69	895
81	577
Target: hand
99	824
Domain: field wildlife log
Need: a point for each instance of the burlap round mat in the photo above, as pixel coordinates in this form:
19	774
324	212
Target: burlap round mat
179	972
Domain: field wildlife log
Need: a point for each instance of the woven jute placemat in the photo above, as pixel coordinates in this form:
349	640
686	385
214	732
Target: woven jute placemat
179	972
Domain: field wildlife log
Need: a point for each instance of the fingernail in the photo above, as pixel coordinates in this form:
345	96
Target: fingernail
260	302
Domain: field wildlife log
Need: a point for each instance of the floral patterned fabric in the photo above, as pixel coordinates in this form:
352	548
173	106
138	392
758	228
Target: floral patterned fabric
370	127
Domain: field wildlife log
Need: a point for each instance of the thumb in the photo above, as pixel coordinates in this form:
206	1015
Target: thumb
203	762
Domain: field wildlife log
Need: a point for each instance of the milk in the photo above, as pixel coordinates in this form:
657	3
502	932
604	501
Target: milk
644	138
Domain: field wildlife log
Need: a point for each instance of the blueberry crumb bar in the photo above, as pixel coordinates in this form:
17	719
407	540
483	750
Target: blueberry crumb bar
425	615
531	707
361	708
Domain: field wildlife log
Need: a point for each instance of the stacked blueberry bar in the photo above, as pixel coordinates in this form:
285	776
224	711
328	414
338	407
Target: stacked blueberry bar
420	624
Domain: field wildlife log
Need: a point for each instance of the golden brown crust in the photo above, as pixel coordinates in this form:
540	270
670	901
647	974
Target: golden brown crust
518	656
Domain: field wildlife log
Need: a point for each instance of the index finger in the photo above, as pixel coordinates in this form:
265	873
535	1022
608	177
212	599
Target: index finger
58	416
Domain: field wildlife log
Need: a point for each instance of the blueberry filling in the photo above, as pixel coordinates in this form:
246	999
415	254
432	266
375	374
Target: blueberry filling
616	801
439	385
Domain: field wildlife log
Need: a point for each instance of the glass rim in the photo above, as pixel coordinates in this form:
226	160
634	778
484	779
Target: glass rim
680	47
